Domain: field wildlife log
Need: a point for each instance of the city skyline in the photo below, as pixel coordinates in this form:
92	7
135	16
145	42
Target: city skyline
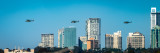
50	16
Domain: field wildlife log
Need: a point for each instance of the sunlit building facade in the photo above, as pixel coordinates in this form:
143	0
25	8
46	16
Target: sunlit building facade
47	40
93	29
155	23
155	17
136	40
92	44
113	41
67	37
155	37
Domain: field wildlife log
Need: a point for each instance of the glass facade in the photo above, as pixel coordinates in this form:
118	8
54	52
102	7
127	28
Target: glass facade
158	19
155	37
67	37
84	46
83	42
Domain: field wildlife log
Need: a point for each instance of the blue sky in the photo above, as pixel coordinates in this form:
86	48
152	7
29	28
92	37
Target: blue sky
51	15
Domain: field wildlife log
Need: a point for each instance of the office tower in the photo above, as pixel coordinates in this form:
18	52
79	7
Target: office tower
93	29
83	42
67	37
155	37
136	40
155	17
92	44
155	23
113	41
47	40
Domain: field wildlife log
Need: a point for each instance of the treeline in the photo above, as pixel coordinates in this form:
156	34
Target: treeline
97	50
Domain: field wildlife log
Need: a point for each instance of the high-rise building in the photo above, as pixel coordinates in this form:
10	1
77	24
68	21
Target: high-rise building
47	40
93	29
155	23
83	42
113	41
155	37
155	17
136	40
67	37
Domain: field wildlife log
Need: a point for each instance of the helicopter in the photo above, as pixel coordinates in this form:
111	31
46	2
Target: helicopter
74	21
126	22
28	20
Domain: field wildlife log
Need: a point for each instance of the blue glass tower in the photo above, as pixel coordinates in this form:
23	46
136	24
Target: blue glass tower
67	37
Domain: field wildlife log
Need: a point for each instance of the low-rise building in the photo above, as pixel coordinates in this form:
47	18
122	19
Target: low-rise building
18	51
92	44
136	40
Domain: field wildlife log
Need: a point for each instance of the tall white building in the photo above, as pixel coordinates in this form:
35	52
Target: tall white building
136	40
113	41
155	17
93	29
47	40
